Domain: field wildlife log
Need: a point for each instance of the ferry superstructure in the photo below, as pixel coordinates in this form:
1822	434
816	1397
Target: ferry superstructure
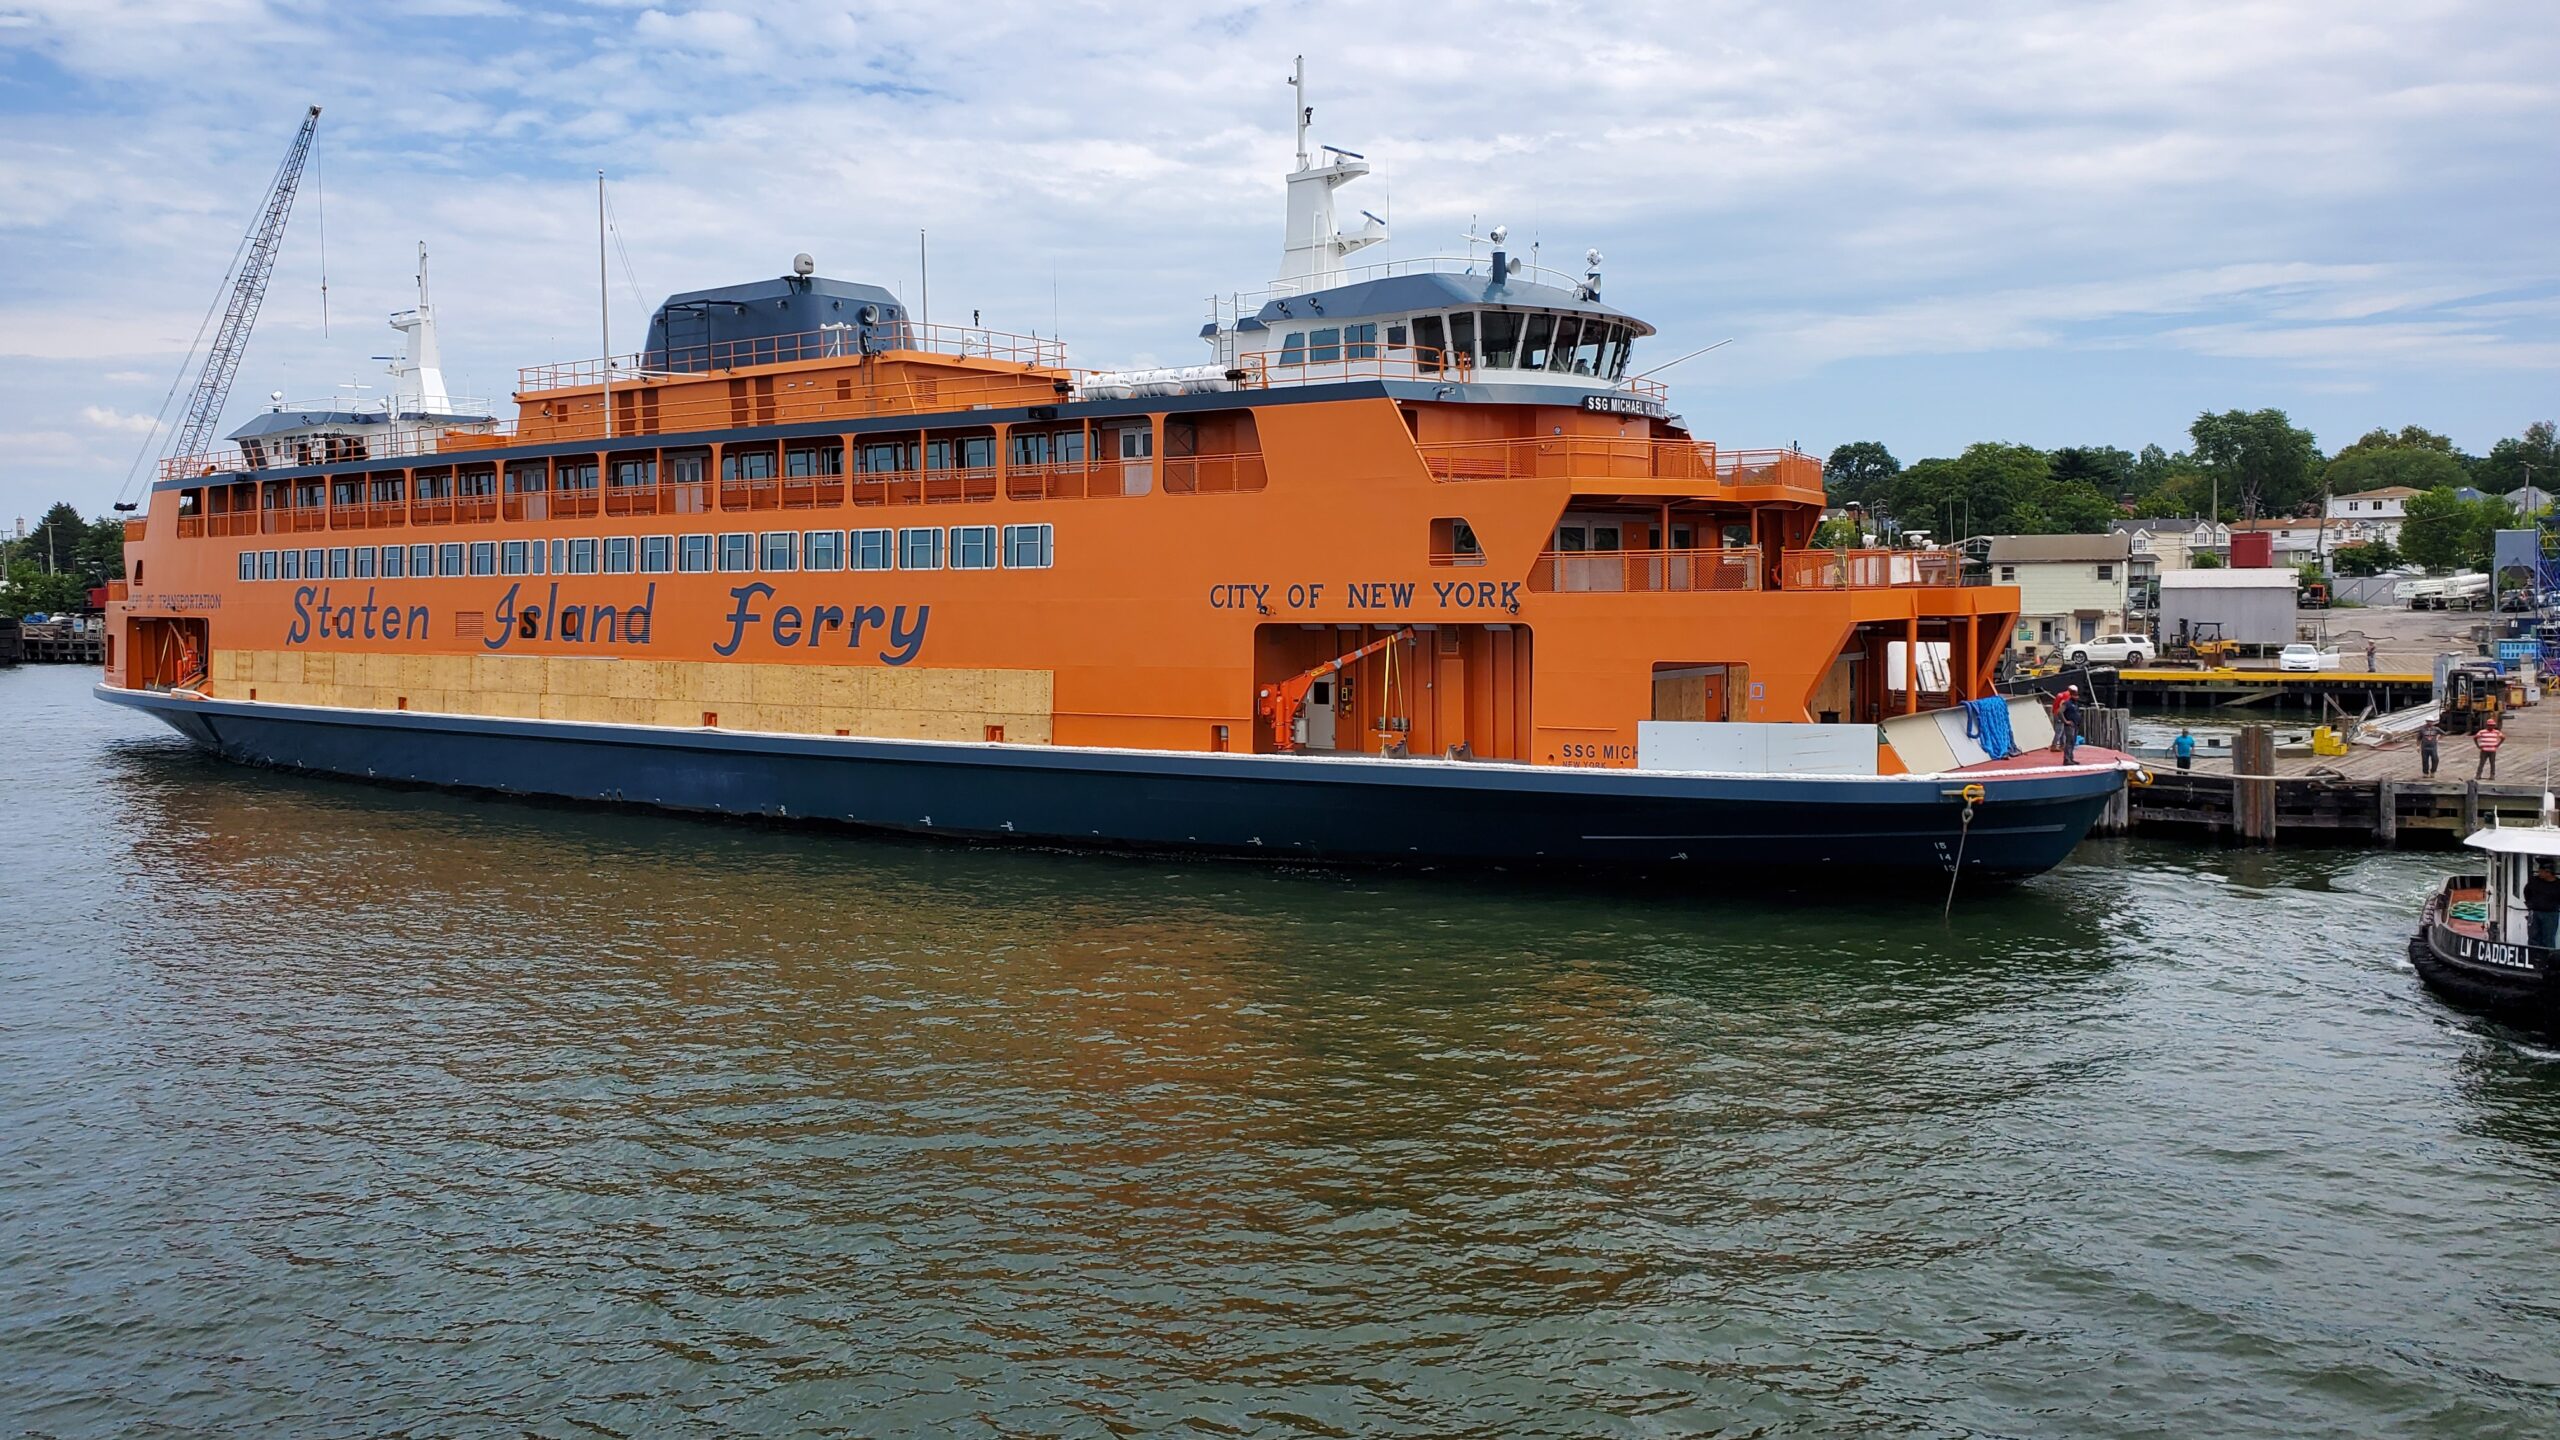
1418	566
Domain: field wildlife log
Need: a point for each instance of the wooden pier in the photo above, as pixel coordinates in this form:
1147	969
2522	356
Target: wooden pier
2349	690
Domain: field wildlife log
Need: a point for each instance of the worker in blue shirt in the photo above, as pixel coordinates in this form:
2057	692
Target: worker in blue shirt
2185	750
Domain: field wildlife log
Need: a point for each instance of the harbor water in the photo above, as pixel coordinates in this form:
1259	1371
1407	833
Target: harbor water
329	1109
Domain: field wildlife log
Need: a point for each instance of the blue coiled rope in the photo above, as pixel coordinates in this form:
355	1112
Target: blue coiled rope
1986	722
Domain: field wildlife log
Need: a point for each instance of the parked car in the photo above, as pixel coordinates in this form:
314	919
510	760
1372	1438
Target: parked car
2302	655
2113	650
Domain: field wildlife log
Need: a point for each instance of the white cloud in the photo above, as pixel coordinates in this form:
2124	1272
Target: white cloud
107	419
2350	193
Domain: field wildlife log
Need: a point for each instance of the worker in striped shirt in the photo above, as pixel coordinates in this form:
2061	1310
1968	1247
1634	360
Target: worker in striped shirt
2488	737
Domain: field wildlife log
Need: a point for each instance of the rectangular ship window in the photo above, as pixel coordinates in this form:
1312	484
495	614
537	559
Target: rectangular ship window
511	558
696	553
422	562
657	554
363	559
617	555
582	557
338	563
822	550
484	557
314	562
1323	345
737	552
449	558
919	549
559	557
973	547
1360	342
871	549
1026	547
779	548
290	567
395	561
267	565
248	564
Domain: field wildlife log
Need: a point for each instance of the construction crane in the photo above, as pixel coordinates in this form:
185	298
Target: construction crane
248	288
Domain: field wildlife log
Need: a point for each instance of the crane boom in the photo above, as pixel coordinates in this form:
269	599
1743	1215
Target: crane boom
248	289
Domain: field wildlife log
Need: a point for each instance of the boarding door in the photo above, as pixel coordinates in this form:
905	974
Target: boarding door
1137	460
1318	713
1587	555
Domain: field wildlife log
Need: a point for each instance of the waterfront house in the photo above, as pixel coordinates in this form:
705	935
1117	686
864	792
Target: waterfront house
2070	587
2368	516
2170	543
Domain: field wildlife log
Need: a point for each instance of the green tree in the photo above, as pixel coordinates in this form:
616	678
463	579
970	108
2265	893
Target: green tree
2536	453
2104	468
28	590
2261	456
2203	560
2370	558
2408	437
1975	493
2359	468
1858	471
2431	532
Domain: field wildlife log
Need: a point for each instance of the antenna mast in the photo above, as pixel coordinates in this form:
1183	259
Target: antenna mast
257	265
1298	83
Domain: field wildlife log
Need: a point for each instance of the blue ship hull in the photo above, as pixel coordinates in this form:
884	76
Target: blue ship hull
1326	809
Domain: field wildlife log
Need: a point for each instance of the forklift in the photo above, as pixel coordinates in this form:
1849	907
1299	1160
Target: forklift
2474	694
2200	644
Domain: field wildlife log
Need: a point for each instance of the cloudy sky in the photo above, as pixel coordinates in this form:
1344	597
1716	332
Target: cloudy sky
1924	224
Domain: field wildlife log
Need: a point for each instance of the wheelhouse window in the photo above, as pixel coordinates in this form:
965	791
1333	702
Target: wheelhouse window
1293	348
695	554
781	551
1026	547
1431	343
822	550
1568	335
872	549
657	554
620	554
1541	335
920	549
973	547
1462	337
737	552
1501	339
1324	345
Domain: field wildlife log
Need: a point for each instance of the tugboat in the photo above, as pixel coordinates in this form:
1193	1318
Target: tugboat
2474	945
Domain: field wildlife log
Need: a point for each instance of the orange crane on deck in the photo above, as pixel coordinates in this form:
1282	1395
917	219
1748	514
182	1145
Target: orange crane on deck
1282	703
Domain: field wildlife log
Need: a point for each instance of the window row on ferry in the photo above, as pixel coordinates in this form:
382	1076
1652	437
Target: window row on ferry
1580	345
926	547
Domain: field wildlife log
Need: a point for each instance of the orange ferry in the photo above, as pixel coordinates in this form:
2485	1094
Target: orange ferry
1414	569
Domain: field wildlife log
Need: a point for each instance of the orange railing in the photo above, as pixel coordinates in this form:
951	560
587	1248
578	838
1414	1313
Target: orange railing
1263	369
1867	569
232	522
923	487
1605	571
1770	467
294	519
1066	480
1237	474
1570	456
133	530
830	344
190	527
